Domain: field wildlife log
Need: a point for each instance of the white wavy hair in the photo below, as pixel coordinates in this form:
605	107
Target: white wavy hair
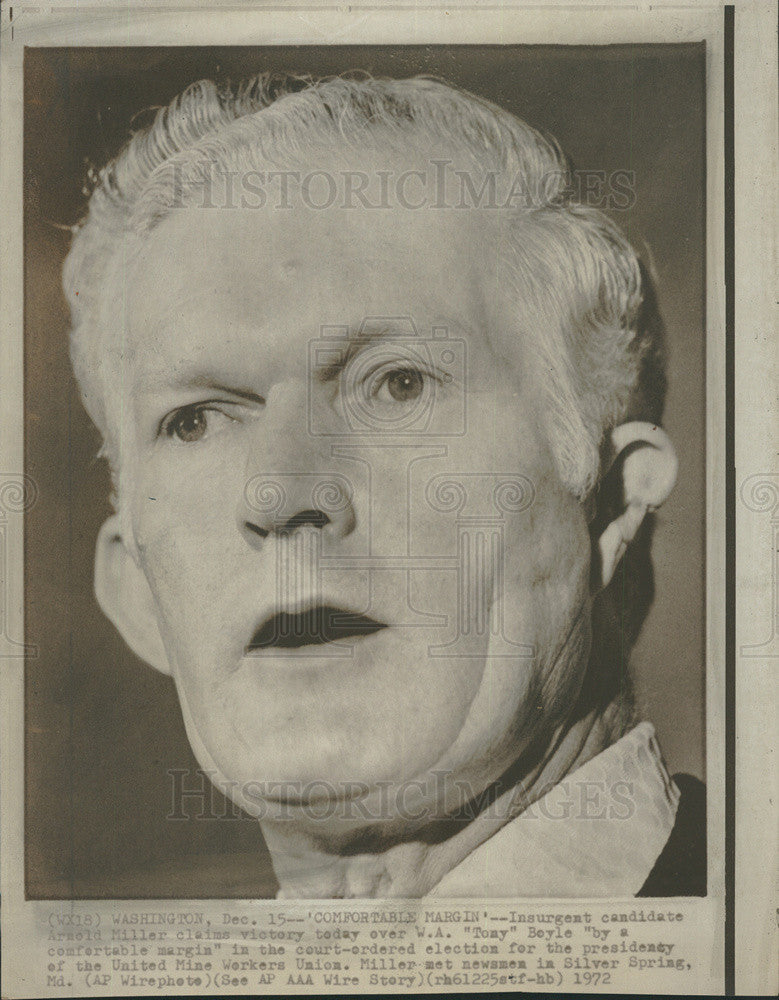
601	358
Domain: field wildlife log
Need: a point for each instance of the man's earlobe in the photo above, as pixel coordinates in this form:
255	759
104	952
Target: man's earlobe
125	598
648	466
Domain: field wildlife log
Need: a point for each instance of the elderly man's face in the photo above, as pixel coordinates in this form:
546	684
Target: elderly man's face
271	467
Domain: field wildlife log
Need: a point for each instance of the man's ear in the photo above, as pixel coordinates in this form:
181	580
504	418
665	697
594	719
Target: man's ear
125	597
647	463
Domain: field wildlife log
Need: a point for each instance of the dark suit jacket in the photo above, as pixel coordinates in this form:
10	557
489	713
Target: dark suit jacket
681	868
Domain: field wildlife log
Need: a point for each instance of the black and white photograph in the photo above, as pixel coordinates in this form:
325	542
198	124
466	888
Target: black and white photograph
373	398
379	378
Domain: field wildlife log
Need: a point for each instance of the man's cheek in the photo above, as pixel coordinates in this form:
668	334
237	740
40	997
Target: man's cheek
170	556
547	564
551	532
168	578
154	531
171	510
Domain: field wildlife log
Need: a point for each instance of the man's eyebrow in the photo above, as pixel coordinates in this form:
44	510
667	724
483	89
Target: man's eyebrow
230	390
202	381
331	359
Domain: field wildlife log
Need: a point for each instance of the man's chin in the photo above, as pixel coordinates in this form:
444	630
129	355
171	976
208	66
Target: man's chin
334	808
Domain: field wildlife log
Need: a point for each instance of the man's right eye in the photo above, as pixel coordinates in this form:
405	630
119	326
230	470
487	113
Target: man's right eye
190	424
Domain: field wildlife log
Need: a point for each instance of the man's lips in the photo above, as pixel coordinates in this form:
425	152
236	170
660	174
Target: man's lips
313	626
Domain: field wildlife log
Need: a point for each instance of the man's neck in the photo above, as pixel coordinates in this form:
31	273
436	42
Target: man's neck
310	866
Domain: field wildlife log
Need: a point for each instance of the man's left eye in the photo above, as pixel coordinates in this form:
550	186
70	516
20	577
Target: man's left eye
401	384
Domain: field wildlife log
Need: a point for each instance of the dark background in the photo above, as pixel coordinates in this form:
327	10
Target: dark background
104	730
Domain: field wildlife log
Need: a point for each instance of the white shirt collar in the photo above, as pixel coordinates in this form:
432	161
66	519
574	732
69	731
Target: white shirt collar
596	833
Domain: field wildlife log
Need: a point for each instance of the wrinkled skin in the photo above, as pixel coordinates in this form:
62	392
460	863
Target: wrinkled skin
221	310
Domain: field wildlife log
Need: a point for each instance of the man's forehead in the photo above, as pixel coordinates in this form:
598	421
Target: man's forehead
258	268
301	233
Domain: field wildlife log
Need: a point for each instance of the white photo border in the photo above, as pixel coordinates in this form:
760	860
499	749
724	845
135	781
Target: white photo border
756	768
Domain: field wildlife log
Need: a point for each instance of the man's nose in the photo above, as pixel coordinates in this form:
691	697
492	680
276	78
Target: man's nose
282	504
280	500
